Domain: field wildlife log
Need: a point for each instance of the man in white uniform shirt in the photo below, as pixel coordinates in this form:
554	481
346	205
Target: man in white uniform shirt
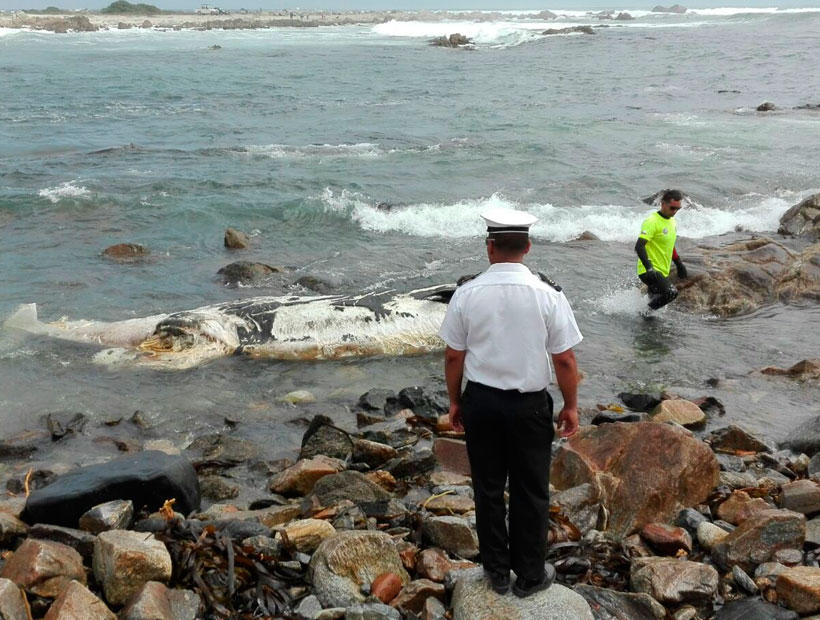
501	329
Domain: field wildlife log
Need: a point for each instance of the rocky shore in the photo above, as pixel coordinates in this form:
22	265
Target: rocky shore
87	21
658	511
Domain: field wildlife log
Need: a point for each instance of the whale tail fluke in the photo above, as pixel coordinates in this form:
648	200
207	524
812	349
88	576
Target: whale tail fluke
25	318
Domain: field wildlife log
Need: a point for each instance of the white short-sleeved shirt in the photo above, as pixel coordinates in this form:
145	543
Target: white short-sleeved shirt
509	321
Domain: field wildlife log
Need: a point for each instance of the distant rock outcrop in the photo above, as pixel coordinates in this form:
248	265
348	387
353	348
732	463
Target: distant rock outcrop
675	8
574	29
62	25
454	40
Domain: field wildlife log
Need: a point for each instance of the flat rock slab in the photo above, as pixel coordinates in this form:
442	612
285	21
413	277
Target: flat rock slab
612	605
754	609
473	599
147	479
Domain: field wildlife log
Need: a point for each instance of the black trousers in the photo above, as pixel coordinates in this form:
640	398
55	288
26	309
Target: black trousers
509	435
661	290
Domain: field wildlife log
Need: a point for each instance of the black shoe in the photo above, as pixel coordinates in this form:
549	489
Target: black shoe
499	583
525	587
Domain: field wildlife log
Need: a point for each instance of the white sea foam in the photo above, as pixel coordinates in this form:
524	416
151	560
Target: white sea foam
63	190
555	223
5	32
287	151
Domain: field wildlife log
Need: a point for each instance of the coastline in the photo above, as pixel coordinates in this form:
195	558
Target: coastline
92	21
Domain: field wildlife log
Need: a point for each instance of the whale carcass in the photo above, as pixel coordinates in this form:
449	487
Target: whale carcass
287	328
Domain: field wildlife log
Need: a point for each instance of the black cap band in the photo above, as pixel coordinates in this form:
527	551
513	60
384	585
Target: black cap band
508	229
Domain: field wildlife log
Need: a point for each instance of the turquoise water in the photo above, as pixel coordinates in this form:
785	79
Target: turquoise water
296	136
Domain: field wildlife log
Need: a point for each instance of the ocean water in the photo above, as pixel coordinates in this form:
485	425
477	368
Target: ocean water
298	135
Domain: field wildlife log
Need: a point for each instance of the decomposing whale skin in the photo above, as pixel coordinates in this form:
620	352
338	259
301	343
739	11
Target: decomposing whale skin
286	328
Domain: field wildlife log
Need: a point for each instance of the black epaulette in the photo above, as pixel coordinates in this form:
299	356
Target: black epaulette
548	280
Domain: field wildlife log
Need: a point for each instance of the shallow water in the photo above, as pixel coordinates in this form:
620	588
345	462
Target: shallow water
297	135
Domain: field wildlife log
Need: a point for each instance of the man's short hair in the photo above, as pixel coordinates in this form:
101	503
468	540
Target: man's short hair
509	242
672	194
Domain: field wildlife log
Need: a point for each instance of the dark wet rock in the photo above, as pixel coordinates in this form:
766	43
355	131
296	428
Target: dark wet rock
126	252
766	106
759	538
16	451
608	417
675	8
639	402
147	479
347	485
805	438
80	541
218	488
384	510
114	515
322	437
426	406
743	581
744	275
587	236
38	479
623	16
803	219
612	605
220	450
754	609
414	464
61	425
671	581
733	438
473	599
454	40
316	284
346	561
379	400
690	519
245	272
235	239
571	30
649	471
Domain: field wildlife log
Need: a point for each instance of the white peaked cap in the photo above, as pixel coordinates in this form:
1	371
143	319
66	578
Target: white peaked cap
508	220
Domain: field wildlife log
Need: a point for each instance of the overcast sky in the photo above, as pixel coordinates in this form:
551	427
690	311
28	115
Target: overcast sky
412	4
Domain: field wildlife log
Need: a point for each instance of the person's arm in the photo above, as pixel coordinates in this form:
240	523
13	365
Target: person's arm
566	374
453	374
679	266
640	250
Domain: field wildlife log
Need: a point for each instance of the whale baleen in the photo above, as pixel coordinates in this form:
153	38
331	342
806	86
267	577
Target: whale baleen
286	328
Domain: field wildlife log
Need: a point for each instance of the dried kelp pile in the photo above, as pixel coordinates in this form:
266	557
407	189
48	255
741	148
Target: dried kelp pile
233	581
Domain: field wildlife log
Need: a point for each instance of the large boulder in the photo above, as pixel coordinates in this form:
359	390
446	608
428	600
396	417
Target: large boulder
647	471
743	276
346	561
803	219
672	582
474	599
148	479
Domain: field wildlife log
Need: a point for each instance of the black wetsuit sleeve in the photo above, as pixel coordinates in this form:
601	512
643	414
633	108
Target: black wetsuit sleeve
640	250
